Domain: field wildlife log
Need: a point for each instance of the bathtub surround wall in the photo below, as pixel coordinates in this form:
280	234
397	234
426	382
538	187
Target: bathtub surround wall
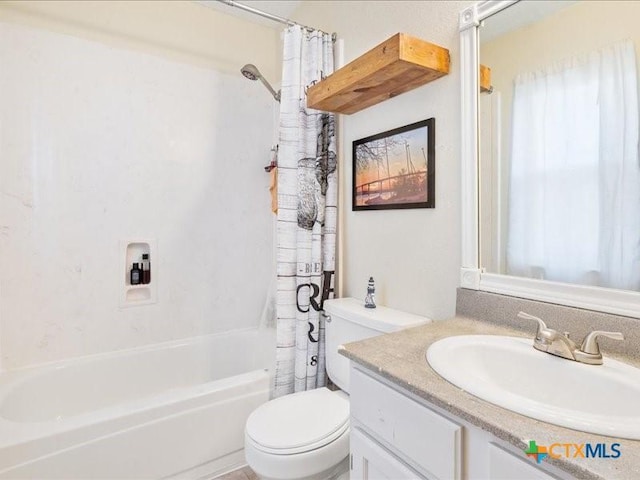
102	144
414	255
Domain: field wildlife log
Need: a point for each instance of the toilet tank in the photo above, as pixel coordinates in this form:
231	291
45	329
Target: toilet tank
350	321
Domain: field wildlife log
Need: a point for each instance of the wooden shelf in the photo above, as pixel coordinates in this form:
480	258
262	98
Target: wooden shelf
485	79
397	65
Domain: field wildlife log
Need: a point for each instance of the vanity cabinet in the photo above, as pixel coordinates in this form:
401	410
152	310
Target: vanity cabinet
396	435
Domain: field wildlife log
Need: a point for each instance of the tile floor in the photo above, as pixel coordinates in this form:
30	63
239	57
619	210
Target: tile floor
244	473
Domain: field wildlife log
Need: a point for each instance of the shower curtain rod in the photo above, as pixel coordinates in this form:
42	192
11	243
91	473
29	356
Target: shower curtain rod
270	16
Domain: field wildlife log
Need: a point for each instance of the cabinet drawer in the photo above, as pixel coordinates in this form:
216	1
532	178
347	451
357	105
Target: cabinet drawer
506	466
431	441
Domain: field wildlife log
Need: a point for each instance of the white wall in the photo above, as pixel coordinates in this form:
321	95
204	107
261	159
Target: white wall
102	141
414	255
183	31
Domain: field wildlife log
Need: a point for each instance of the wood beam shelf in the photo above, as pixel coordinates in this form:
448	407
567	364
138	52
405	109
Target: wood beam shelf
485	79
399	64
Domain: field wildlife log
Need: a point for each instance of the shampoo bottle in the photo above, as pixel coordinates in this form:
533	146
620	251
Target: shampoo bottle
146	269
135	275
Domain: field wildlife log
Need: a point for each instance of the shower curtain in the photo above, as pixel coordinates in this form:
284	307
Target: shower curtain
307	214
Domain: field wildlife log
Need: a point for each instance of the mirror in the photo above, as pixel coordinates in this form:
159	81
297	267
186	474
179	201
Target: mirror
559	169
553	147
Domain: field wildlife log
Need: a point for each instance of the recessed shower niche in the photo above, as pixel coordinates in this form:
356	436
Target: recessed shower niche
138	275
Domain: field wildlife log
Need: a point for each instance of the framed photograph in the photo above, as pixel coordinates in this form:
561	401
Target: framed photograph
396	169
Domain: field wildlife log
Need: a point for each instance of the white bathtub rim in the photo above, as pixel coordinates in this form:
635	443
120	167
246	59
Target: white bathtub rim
36	436
12	380
7	468
15	433
184	341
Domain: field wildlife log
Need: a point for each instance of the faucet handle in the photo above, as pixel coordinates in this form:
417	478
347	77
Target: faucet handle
541	325
590	342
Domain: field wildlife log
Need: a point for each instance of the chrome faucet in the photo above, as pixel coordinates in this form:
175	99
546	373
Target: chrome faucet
559	344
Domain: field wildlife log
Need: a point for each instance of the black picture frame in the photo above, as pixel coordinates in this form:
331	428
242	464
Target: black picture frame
385	176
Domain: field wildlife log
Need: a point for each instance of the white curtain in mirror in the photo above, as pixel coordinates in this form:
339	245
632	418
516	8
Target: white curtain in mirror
574	193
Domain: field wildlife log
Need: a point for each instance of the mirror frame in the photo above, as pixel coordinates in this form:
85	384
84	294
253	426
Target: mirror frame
472	275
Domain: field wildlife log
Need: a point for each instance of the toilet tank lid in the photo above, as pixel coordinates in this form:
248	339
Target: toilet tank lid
382	319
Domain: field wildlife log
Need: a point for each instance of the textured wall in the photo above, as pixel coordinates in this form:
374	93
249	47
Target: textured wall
414	255
101	144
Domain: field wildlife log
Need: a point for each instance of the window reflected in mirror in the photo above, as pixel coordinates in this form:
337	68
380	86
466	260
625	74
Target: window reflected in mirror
559	131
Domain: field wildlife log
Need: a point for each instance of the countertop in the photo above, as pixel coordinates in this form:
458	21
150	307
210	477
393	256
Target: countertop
400	358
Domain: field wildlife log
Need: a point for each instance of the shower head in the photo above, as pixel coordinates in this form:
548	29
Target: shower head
252	73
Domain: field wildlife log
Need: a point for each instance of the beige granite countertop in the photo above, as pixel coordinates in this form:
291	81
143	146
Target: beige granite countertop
400	358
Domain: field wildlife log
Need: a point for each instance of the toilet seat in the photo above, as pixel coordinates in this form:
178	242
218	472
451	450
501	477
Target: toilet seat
299	423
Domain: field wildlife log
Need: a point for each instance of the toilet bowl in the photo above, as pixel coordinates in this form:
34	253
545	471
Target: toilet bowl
305	435
301	436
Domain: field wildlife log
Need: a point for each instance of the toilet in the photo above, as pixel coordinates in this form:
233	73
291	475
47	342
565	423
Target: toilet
305	435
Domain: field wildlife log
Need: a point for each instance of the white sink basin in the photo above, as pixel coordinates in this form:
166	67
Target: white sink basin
510	373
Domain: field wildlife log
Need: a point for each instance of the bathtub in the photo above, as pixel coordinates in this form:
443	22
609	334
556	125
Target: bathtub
174	409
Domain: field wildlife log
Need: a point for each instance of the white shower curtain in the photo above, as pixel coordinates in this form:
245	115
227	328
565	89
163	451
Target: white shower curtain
307	213
574	198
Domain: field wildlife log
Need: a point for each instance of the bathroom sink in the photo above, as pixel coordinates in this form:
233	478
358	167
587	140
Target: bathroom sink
510	373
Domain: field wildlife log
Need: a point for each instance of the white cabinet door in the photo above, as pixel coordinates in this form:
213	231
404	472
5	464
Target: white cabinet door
504	465
372	462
